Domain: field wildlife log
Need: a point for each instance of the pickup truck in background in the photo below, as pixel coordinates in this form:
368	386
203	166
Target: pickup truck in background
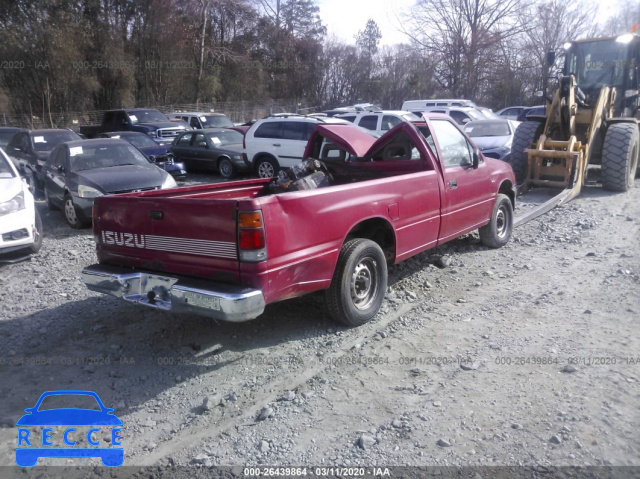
144	120
333	223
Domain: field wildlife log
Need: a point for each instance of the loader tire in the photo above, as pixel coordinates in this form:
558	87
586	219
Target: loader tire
526	134
620	152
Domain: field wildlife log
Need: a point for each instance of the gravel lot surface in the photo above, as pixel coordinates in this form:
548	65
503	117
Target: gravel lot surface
524	356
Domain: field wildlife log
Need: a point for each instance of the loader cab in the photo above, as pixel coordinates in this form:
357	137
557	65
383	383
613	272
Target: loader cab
612	62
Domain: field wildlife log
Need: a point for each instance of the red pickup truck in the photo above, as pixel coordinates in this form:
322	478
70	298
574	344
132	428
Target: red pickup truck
226	250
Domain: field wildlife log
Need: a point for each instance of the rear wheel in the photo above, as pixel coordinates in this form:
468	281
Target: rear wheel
359	283
527	133
497	232
620	152
226	168
266	167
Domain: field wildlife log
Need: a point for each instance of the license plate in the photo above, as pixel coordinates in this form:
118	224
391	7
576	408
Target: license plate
201	301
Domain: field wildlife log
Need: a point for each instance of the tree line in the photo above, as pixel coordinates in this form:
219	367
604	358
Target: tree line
74	55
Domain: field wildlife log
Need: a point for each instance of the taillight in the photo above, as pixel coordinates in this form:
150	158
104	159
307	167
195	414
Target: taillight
252	242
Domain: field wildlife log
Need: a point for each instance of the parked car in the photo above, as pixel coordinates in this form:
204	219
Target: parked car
276	142
420	105
217	149
20	224
540	110
79	171
145	120
202	120
7	133
511	112
460	114
29	149
493	137
158	154
379	121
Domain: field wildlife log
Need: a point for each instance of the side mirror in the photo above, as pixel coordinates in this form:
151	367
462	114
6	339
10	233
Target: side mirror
203	144
551	57
476	159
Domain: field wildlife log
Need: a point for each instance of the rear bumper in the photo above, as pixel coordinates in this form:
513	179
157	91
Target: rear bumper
176	294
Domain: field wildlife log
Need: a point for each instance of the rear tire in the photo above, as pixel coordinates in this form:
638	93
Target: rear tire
359	283
226	168
497	232
527	133
620	152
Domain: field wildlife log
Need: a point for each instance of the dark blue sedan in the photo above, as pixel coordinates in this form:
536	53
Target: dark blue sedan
159	154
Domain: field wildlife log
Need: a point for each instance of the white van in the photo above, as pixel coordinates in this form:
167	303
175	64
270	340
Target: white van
419	105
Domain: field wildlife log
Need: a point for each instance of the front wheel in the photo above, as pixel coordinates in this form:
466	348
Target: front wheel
37	235
620	152
525	136
267	167
497	232
226	168
359	283
71	214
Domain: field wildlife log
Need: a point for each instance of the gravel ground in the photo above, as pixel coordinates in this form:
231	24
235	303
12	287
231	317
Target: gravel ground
524	356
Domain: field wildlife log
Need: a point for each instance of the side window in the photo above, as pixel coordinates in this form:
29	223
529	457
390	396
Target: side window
57	158
194	123
454	147
15	142
348	118
25	143
199	139
295	130
269	129
108	118
185	140
370	122
121	119
389	122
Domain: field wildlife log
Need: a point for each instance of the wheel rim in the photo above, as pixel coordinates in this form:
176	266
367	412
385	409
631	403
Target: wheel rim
225	168
502	222
70	212
266	170
364	283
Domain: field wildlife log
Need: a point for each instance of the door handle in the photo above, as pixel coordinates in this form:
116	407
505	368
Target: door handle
453	184
276	144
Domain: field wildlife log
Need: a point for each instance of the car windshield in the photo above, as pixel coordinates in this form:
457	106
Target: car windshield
145	116
5	168
225	137
84	157
141	141
215	121
475	130
47	141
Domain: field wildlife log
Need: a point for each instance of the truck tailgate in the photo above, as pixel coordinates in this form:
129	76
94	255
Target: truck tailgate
181	235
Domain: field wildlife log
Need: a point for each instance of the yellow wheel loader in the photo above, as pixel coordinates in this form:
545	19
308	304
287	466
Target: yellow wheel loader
591	120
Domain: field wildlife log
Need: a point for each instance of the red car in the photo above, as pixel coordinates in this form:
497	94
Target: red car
333	224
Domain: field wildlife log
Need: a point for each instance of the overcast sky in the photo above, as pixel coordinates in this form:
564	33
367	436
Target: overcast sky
344	18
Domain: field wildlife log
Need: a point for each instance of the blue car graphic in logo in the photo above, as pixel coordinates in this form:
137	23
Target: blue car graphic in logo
31	447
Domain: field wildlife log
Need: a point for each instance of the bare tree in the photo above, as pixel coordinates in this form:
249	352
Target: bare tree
463	35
